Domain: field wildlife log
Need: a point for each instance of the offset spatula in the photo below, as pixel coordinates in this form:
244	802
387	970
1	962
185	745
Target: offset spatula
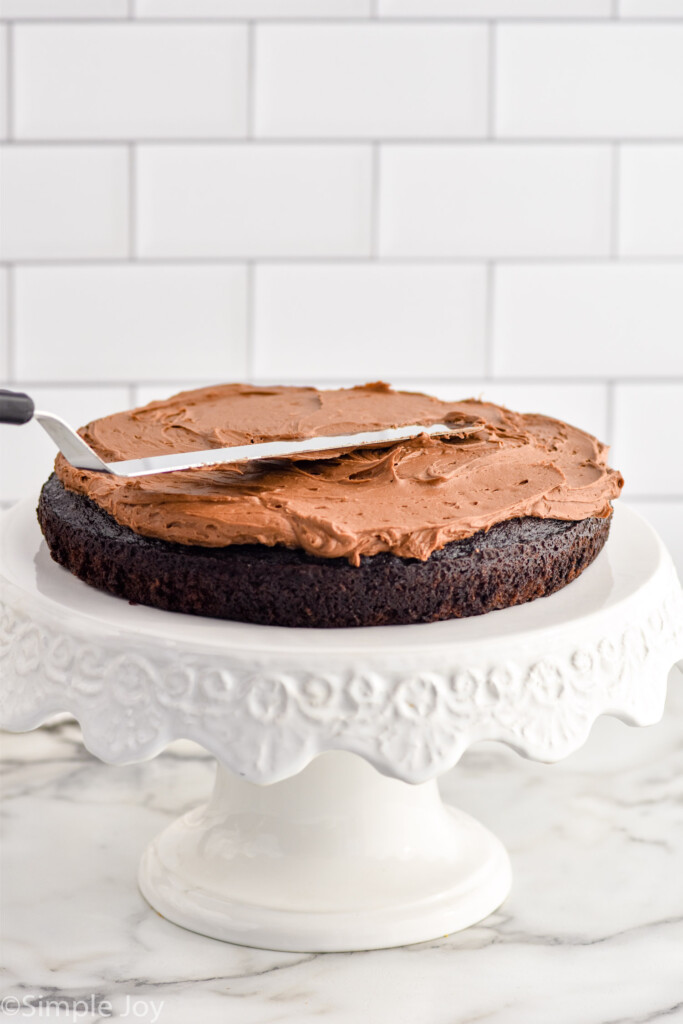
18	408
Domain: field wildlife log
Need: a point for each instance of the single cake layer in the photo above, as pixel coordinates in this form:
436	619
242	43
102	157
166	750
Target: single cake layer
513	562
410	499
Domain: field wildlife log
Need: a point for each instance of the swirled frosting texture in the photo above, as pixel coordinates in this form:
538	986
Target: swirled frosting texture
410	498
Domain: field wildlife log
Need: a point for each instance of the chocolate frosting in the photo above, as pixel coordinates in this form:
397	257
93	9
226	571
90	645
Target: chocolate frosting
409	498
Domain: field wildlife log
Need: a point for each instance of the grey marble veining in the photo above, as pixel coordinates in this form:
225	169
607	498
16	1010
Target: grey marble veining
591	934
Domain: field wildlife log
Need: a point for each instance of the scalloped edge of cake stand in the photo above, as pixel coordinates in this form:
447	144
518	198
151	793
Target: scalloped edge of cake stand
409	699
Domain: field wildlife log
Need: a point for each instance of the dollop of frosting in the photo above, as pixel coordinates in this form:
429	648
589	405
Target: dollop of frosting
409	498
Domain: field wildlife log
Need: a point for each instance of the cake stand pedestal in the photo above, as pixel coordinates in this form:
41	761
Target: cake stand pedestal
326	830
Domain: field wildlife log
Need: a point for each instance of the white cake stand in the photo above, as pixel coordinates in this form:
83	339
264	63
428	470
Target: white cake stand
326	830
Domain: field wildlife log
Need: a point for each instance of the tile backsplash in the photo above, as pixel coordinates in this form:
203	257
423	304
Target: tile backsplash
470	196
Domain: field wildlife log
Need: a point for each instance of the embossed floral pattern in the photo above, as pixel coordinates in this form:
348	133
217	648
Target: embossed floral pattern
265	725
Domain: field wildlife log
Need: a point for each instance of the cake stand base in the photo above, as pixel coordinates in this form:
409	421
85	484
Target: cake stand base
336	858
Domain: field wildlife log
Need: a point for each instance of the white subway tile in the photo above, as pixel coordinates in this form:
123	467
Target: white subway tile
27	454
253	8
52	9
254	200
63	202
495	200
133	323
4	340
583	405
370	80
4	98
648	437
495	8
666	517
589	81
651	200
130	80
368	321
651	8
158	391
593	320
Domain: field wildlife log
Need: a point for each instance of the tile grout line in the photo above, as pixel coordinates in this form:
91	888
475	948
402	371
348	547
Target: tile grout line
314	20
10	323
9	82
492	84
454	379
251	79
490	320
132	203
375	185
535	262
250	318
349	141
615	204
609	411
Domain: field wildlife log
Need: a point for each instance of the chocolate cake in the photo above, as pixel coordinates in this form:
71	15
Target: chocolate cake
508	508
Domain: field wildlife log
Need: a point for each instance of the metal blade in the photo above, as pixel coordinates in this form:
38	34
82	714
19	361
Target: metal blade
272	450
71	445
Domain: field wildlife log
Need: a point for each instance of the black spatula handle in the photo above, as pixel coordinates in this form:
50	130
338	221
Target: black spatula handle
15	407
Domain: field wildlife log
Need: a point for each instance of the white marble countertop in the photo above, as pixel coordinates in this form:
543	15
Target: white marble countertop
591	934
